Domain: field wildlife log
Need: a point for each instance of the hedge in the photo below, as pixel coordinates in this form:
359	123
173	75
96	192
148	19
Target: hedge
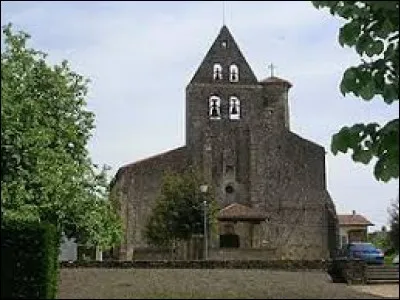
29	260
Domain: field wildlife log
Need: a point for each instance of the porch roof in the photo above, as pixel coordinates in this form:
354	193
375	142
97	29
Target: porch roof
239	212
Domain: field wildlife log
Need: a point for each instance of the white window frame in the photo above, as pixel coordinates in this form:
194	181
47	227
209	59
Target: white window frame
233	69
233	99
217	71
218	102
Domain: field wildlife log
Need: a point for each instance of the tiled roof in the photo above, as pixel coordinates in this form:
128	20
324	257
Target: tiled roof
241	212
274	79
353	219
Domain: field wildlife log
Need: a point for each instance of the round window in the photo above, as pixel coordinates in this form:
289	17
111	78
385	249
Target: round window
229	189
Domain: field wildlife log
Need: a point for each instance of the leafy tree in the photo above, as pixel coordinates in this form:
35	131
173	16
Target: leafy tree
380	239
372	28
46	172
394	224
179	210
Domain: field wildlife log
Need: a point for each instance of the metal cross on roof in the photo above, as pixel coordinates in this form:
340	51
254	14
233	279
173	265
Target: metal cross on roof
271	67
223	12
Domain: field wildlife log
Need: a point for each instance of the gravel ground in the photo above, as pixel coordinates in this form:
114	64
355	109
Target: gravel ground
206	284
384	290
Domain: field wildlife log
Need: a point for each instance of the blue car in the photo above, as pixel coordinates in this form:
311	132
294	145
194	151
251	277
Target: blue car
365	251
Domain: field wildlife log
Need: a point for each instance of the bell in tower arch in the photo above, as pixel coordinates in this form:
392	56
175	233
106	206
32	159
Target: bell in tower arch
234	108
214	110
214	107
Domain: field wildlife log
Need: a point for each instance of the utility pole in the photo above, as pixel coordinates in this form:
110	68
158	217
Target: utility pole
203	190
205	231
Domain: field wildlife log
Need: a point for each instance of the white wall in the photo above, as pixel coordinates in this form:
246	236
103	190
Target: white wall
68	250
344	231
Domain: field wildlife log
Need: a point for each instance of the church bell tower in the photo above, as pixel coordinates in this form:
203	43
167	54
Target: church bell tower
220	100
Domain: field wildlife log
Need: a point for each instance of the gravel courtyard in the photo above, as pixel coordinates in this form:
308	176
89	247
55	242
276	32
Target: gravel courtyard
93	283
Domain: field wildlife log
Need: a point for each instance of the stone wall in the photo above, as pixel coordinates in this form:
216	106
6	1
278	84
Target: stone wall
347	271
291	265
242	254
292	192
152	254
184	250
293	189
136	188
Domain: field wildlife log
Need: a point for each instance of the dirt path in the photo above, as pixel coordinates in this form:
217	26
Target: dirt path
203	284
383	290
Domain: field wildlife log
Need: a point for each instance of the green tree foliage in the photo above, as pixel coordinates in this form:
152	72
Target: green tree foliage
394	224
179	210
372	28
46	172
380	239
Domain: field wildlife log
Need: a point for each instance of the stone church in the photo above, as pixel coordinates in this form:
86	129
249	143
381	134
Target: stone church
269	182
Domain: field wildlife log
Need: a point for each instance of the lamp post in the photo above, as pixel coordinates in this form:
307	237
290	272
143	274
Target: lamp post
203	189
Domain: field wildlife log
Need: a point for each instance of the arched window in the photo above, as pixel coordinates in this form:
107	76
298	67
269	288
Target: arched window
234	108
217	72
214	108
233	73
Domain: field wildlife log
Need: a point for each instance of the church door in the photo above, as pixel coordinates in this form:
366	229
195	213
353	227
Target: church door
229	241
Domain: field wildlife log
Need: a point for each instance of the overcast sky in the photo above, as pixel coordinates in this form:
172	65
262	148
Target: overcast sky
141	55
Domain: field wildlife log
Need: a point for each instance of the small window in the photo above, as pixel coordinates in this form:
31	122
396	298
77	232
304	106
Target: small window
229	189
229	241
224	44
217	72
229	168
214	108
234	108
233	73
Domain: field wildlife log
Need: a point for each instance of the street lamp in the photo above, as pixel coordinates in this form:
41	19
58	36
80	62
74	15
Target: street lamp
203	189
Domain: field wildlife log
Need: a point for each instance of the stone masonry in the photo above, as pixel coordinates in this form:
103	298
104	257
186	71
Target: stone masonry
238	134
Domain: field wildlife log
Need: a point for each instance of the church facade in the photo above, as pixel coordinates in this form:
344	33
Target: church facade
269	182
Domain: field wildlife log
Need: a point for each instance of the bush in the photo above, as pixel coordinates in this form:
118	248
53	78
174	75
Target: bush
390	252
29	260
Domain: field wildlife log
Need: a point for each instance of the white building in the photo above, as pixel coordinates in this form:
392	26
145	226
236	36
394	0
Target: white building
69	251
353	228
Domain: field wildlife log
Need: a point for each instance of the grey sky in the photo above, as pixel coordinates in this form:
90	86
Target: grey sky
141	55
